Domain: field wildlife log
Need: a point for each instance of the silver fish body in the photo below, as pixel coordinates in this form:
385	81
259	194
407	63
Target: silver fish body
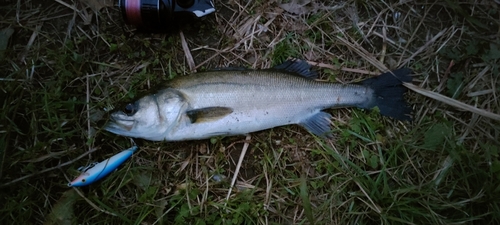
216	103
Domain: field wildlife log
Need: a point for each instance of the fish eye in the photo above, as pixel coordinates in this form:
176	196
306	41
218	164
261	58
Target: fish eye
130	109
83	180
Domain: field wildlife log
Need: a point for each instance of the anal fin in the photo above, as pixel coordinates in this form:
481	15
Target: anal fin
208	114
318	124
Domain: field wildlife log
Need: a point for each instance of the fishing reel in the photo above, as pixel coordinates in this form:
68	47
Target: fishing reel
163	14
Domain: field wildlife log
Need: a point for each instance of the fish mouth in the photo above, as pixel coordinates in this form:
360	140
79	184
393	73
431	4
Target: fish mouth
119	125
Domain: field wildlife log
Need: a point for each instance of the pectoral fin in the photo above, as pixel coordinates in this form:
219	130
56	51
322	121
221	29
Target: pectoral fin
208	114
318	124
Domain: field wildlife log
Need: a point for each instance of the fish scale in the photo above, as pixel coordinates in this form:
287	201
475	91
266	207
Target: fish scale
260	100
262	88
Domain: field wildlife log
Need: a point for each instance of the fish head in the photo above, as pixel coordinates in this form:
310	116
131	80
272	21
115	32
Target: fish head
149	118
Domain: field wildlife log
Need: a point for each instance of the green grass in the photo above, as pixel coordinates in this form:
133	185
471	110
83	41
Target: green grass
442	168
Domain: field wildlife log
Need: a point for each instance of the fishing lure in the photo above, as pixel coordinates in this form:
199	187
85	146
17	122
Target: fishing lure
96	171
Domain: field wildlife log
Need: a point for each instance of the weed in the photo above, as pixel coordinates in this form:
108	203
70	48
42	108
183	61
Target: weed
65	64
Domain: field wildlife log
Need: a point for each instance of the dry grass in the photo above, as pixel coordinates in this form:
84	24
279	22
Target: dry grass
68	60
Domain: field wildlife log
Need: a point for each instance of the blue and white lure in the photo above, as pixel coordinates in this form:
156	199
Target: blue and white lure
96	171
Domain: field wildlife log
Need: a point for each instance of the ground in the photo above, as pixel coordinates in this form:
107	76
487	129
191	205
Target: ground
64	62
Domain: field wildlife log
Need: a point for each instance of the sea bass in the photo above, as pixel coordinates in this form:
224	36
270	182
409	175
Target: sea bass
237	102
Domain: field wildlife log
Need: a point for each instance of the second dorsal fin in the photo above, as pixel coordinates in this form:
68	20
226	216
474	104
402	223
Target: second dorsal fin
299	67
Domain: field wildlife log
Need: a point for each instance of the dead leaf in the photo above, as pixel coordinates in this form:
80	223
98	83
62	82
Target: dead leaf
301	7
296	7
62	212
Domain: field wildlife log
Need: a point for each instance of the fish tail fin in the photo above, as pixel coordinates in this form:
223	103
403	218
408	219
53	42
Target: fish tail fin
389	93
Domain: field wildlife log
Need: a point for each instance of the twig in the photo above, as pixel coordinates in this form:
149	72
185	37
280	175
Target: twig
425	46
49	169
88	107
67	5
30	42
363	53
10	79
434	95
91	203
452	102
238	166
187	53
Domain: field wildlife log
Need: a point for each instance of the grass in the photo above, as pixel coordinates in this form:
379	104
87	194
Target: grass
66	62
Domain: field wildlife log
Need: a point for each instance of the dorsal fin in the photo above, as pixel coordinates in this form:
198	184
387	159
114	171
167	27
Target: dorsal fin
299	67
208	114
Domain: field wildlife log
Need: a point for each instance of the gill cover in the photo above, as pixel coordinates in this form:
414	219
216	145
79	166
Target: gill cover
150	116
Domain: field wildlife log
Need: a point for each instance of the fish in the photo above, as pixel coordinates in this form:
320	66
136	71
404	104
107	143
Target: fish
228	102
96	171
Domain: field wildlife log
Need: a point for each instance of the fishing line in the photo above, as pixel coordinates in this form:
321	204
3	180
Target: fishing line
49	169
